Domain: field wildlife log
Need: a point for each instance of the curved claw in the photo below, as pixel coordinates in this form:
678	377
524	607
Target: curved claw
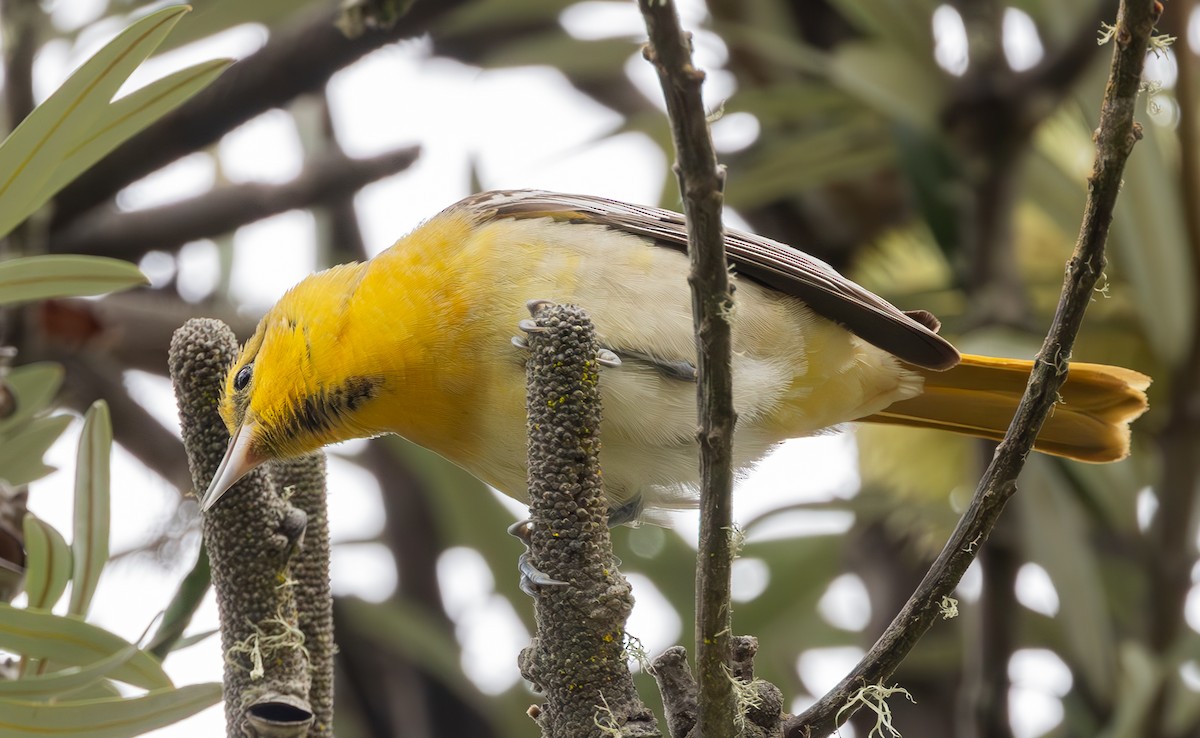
532	578
607	358
520	343
529	326
533	306
522	530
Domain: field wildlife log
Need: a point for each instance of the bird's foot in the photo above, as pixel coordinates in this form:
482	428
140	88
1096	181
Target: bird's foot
604	357
532	578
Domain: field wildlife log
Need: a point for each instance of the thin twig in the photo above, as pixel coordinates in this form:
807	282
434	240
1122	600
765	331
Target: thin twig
701	181
1114	141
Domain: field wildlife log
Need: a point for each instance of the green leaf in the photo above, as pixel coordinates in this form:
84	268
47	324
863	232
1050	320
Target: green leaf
106	718
34	385
30	155
193	639
21	453
90	540
69	680
129	115
182	607
214	16
43	277
69	640
48	565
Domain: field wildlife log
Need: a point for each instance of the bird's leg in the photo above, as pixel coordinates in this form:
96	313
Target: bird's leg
627	512
680	369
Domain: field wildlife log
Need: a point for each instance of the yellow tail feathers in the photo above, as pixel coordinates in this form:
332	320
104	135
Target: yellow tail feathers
980	395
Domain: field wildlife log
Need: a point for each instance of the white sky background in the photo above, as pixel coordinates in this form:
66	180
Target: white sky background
521	128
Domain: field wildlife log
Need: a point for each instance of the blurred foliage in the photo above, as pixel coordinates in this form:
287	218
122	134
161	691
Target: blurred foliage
960	193
62	674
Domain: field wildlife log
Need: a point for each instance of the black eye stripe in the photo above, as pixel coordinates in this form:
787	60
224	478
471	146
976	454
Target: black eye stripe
243	378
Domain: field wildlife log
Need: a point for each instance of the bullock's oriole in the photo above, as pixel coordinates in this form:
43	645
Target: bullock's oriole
417	342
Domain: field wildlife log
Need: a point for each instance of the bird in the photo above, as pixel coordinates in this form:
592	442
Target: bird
418	341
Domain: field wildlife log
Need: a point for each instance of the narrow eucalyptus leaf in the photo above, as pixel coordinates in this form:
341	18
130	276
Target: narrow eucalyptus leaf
90	540
31	153
48	563
68	640
43	277
115	717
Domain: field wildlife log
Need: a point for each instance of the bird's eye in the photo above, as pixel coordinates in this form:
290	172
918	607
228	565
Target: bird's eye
242	379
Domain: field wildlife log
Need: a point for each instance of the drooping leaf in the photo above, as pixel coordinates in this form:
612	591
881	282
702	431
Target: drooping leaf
21	452
34	385
48	563
116	717
69	640
90	540
73	679
182	607
43	277
30	155
193	639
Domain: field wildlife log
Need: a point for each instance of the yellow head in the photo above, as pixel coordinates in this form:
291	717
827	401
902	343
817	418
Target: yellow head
297	384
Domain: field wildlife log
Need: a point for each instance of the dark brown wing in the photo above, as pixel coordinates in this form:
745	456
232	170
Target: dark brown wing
911	337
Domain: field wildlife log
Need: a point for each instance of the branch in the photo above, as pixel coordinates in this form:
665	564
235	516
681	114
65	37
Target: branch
133	328
23	22
250	538
1115	139
129	235
701	181
296	59
578	657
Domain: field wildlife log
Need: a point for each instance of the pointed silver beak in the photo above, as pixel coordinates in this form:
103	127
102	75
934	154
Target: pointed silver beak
238	462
